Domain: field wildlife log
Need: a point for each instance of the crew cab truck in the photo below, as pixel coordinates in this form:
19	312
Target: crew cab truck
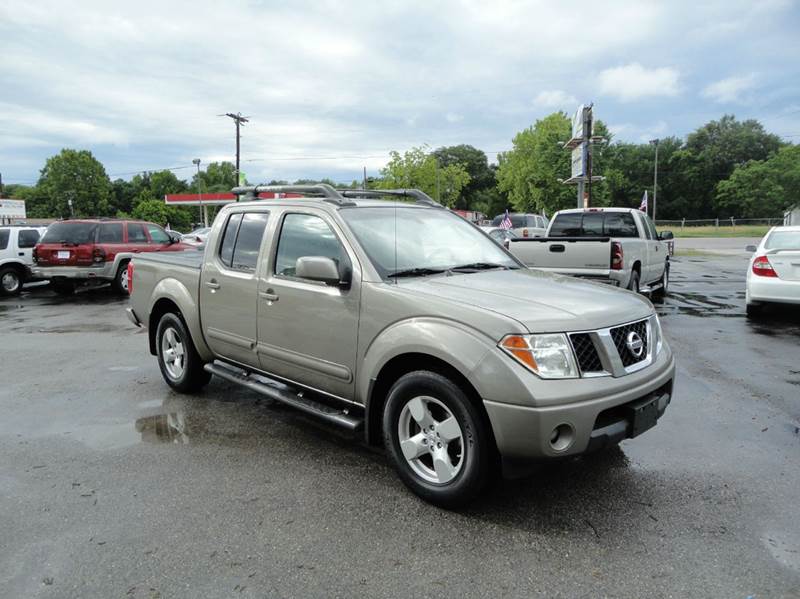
619	246
16	256
403	322
89	252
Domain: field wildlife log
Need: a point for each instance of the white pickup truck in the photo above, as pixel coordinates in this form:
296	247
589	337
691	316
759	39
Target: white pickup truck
619	246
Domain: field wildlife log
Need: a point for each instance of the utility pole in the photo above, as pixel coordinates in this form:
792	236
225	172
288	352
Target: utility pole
587	140
364	184
203	213
240	121
1	185
655	178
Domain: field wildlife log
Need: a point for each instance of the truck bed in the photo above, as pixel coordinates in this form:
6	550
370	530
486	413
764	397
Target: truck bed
189	259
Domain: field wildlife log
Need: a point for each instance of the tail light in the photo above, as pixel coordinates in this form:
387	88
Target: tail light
524	232
763	268
98	255
130	277
616	255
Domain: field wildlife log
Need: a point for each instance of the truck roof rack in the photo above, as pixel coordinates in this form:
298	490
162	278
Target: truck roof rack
420	197
320	190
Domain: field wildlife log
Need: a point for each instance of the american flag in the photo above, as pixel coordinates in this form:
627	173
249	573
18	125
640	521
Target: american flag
506	222
643	205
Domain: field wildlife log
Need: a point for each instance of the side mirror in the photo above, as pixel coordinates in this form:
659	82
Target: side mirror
666	235
750	248
322	269
174	237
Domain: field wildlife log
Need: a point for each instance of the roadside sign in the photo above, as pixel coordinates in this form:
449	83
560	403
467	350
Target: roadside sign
12	209
579	161
577	123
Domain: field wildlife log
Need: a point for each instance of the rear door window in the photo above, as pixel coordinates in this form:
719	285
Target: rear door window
109	233
248	242
229	239
136	233
28	238
4	236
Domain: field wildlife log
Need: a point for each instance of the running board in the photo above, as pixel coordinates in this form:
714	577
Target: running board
282	393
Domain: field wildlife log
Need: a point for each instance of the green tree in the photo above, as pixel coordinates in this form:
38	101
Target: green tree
481	175
761	188
218	177
78	176
418	169
156	211
530	172
710	155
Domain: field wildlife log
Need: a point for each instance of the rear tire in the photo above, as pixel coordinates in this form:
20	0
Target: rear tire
63	287
633	284
180	364
437	439
120	282
10	281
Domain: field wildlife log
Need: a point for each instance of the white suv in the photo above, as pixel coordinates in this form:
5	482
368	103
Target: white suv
16	256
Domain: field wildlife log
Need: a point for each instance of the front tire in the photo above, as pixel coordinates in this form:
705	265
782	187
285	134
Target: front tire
180	364
437	439
10	281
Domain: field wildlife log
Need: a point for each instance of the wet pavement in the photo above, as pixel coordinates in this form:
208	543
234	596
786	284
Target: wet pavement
113	486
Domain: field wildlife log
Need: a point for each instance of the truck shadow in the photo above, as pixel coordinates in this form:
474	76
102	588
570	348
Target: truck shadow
588	495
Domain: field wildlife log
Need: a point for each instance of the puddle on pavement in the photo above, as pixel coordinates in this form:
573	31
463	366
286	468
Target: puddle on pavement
697	304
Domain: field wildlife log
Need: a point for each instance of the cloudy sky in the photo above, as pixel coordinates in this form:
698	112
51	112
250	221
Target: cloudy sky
334	86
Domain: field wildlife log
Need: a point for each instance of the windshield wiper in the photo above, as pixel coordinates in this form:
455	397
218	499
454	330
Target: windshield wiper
480	266
415	272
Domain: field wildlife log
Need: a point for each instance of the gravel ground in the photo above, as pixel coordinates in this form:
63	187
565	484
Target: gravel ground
113	486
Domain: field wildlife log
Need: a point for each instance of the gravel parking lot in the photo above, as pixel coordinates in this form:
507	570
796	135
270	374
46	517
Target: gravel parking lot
113	486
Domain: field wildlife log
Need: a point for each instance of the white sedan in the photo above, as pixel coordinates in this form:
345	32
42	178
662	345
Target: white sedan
773	275
196	237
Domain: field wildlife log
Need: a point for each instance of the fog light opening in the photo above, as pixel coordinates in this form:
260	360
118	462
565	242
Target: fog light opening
562	437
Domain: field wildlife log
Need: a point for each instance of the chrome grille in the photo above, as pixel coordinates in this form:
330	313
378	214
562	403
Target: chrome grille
620	337
586	352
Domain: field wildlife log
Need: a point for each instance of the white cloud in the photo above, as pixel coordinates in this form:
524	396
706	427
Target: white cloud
633	81
555	98
731	89
452	117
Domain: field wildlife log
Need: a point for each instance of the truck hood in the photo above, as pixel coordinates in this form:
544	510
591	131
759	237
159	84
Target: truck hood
542	302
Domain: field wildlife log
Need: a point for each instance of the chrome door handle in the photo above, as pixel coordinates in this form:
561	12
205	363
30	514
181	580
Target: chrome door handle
267	295
212	285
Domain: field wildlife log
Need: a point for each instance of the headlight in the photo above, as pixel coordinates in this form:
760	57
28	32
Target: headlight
658	335
549	356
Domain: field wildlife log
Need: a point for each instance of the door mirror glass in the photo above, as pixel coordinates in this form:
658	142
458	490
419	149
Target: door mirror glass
750	248
666	235
318	268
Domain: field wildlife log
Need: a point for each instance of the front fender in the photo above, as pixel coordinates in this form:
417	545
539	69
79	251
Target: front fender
454	343
175	291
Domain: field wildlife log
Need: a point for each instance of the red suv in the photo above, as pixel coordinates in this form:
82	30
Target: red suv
94	251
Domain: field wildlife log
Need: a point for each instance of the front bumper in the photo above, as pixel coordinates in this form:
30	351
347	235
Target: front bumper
591	420
103	272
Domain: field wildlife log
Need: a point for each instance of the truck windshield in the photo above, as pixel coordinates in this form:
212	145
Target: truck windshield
593	224
421	241
70	233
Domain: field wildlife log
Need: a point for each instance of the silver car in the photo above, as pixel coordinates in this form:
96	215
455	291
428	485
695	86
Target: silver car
773	274
524	225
